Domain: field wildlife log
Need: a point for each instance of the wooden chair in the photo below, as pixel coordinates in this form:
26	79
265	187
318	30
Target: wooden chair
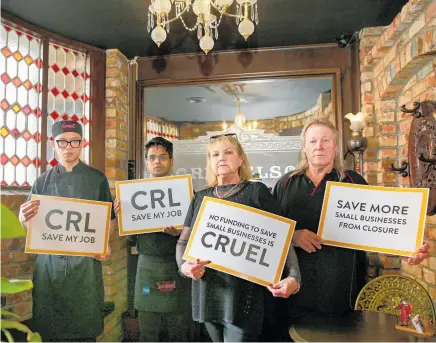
384	293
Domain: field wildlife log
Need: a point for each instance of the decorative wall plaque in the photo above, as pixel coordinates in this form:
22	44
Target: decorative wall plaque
422	149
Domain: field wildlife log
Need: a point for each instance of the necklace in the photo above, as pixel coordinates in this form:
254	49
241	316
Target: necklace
227	193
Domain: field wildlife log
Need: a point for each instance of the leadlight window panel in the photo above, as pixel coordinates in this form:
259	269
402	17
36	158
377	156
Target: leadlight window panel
68	94
20	120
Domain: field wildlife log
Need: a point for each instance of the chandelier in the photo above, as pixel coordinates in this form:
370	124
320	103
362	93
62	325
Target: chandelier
209	15
240	121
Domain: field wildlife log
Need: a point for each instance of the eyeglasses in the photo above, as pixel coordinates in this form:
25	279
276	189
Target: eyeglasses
224	135
75	143
153	158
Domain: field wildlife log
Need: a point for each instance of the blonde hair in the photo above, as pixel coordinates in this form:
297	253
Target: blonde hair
338	163
245	169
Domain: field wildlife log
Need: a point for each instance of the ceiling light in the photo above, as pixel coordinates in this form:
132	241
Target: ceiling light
209	14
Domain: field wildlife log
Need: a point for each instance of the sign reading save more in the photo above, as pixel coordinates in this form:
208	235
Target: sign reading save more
150	205
372	218
65	226
240	240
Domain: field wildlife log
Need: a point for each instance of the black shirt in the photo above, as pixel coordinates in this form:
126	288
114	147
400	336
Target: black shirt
222	297
331	276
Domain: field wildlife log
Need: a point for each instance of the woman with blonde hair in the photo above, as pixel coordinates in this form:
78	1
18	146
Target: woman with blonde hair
332	276
232	308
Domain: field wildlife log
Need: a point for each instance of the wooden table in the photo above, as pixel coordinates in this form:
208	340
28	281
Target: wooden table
354	327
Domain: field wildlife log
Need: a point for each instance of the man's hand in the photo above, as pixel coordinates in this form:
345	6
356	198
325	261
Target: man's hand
171	230
421	254
116	206
103	258
307	240
28	210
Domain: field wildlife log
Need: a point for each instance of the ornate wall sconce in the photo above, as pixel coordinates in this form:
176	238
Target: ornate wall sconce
422	149
357	143
403	170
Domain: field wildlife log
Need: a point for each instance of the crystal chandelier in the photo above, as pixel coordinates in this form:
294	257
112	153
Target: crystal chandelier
209	15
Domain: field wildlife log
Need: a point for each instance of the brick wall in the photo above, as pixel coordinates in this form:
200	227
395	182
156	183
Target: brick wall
115	270
397	68
15	263
194	130
322	109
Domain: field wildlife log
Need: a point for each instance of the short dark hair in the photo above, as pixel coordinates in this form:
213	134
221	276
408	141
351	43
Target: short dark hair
167	145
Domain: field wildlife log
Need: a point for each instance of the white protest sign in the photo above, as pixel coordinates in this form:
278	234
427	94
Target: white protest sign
240	240
66	226
150	205
372	218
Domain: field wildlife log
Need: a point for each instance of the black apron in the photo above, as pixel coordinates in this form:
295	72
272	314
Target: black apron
68	292
159	286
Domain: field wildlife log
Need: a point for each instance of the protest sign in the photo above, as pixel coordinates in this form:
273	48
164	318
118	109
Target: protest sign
150	205
372	218
66	226
240	240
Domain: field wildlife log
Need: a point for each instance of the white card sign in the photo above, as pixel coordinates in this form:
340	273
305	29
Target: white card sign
150	205
373	218
240	240
67	226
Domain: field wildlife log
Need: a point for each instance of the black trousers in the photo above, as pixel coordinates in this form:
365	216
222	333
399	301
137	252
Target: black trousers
227	332
156	326
276	321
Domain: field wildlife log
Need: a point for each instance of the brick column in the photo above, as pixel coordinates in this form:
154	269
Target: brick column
397	68
115	270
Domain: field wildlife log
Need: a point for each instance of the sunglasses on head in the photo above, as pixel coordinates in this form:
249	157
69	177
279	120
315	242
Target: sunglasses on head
224	135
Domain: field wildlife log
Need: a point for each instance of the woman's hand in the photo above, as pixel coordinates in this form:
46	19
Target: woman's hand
284	288
194	269
307	240
421	254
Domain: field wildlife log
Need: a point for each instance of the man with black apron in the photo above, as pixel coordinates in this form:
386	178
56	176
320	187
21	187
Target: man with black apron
162	296
68	292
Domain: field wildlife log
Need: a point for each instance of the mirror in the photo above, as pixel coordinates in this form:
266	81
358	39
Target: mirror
267	115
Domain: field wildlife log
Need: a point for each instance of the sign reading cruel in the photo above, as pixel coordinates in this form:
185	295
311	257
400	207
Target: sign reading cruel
150	205
240	240
65	226
372	218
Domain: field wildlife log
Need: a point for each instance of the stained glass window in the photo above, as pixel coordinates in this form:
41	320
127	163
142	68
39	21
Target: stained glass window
156	128
68	93
21	91
20	94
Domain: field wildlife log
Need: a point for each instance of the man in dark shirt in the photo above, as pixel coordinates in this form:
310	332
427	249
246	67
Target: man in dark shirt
162	296
332	275
68	293
343	270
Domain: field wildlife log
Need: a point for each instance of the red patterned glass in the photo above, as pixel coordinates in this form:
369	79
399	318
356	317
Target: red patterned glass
68	94
20	94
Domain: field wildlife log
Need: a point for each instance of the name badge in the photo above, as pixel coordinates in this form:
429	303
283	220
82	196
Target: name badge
166	286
